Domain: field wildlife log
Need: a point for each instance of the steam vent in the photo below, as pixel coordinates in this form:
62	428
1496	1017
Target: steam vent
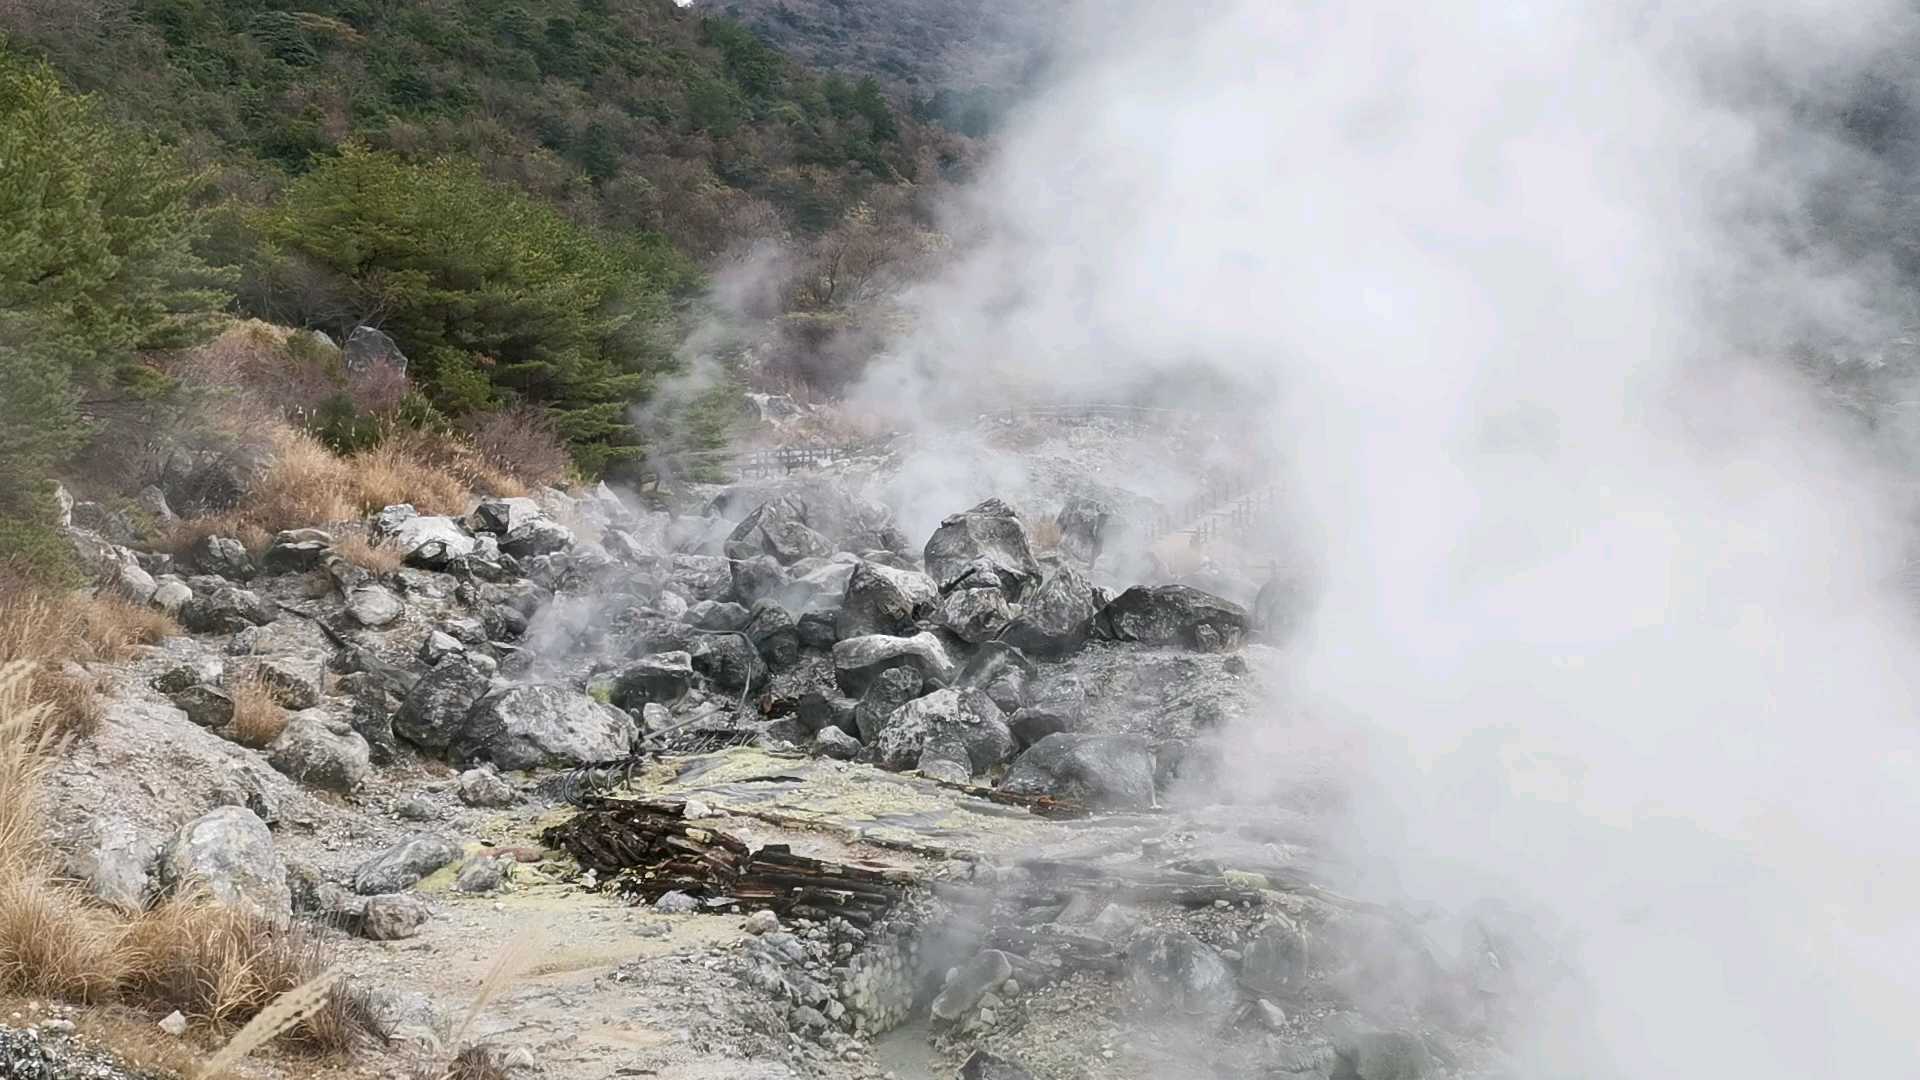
959	540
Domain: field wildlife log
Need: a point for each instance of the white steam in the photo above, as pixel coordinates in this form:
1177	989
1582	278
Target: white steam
1611	601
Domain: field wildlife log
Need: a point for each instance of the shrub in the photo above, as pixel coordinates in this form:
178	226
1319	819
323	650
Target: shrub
521	442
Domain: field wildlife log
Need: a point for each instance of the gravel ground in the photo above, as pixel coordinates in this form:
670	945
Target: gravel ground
37	1054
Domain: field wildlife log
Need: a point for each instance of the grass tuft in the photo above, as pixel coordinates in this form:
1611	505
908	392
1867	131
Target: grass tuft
258	716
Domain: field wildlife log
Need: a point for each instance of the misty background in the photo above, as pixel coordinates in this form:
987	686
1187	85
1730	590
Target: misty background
1580	338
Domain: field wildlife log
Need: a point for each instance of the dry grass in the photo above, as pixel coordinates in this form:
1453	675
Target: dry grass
258	717
305	484
115	629
48	630
217	965
361	550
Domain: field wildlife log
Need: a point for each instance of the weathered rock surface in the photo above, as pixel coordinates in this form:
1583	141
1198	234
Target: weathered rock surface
858	661
974	615
954	725
1177	972
436	709
543	726
432	542
1112	772
1056	618
1174	615
403	864
664	678
229	852
970	982
322	750
990	533
227	610
221	556
393	917
882	600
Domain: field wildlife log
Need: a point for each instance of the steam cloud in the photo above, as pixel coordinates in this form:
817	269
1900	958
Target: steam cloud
1608	603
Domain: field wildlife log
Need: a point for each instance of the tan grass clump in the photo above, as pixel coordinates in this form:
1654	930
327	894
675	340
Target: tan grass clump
46	630
362	551
114	628
51	942
393	472
258	716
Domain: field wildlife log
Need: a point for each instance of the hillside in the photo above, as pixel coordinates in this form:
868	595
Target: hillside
962	62
631	114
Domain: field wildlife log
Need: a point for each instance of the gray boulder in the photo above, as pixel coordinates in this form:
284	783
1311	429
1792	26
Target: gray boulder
1085	525
894	688
991	533
403	864
1381	1055
229	852
540	536
954	725
1050	708
393	917
486	788
817	630
716	615
663	677
1056	619
226	610
482	875
834	743
699	577
131	582
1109	772
296	550
171	595
1274	964
772	630
757	579
294	680
435	712
431	542
970	982
1002	671
1176	972
1174	615
858	661
974	615
207	706
221	556
530	727
729	661
882	600
368	348
323	751
779	530
819	588
502	516
374	606
819	711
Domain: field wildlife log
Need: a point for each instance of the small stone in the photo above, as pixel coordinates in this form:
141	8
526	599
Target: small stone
1272	1015
762	922
485	788
676	903
394	917
174	1025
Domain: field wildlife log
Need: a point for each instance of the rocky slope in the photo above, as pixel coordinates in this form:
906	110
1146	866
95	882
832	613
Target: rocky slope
881	804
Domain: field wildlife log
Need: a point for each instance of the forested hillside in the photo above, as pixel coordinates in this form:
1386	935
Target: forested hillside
963	62
530	197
